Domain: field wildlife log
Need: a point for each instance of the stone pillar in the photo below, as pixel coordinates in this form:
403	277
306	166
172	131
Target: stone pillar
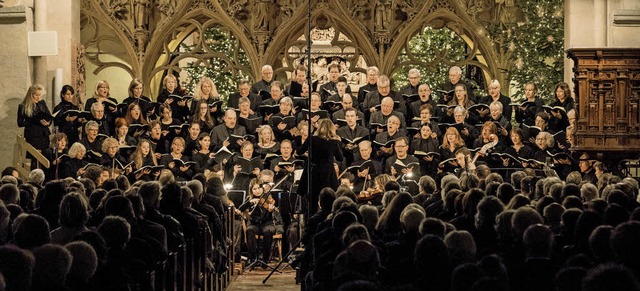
67	24
15	76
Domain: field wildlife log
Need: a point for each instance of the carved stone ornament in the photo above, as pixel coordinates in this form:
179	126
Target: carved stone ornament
151	36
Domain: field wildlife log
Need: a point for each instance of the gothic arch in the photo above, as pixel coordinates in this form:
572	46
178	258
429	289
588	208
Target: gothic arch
378	30
336	18
445	14
194	20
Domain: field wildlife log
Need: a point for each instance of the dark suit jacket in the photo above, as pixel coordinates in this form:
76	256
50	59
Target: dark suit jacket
220	134
253	98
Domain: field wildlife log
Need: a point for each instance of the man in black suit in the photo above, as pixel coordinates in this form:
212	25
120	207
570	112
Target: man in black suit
496	95
384	90
330	88
347	102
244	88
221	133
351	131
424	92
263	85
455	77
372	85
414	83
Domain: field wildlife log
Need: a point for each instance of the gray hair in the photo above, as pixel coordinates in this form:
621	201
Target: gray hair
373	68
91	124
455	69
96	106
75	147
36	176
414	71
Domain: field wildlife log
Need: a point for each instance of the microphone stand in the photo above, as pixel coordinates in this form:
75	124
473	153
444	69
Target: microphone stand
55	149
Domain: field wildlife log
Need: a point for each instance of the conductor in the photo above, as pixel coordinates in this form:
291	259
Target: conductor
325	150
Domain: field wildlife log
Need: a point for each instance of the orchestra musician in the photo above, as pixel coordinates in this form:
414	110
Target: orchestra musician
263	218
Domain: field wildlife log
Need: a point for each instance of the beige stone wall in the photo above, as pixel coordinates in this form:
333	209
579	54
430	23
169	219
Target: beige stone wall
600	23
15	75
19	71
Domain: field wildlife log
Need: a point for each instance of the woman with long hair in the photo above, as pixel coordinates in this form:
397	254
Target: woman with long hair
178	106
202	116
562	94
264	219
451	143
134	117
207	93
35	117
326	150
66	123
142	157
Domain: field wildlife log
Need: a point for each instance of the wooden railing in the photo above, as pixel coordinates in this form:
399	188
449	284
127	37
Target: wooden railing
193	266
20	151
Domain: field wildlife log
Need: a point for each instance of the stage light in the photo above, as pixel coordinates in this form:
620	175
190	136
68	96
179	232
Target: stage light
228	186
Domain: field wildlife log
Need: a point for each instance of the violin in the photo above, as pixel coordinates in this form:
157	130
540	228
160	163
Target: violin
268	203
370	194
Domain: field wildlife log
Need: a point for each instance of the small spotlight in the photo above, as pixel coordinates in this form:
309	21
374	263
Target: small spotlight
228	186
409	175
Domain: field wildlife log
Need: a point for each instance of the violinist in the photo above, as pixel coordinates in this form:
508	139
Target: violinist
373	193
264	219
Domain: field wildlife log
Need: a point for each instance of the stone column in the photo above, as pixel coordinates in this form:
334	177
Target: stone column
16	73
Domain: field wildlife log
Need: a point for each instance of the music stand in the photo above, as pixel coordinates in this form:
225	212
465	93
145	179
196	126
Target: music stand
237	197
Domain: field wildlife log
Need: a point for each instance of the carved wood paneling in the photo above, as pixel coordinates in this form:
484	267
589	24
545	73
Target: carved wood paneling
607	89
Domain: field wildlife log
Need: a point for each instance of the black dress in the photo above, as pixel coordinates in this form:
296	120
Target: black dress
323	154
181	113
35	133
69	128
